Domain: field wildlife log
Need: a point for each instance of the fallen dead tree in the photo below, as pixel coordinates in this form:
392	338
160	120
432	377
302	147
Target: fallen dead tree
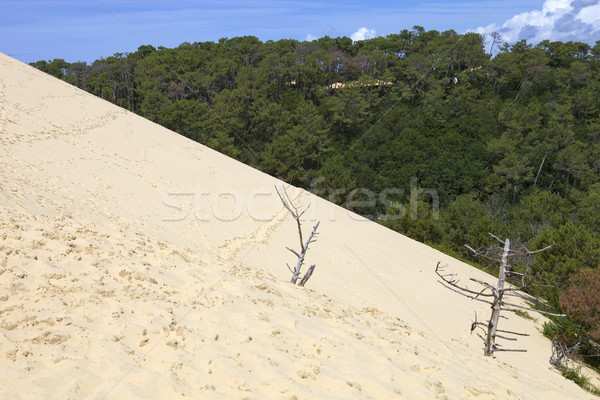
562	354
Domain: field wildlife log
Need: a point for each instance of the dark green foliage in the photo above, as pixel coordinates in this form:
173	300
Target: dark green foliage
418	221
467	221
56	67
574	247
425	119
538	211
588	207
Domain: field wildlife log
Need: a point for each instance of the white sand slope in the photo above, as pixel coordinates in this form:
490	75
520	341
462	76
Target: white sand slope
128	272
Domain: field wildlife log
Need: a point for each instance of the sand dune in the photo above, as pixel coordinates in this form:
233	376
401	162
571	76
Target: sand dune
137	264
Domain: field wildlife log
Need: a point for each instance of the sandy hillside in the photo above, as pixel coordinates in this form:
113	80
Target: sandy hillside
137	264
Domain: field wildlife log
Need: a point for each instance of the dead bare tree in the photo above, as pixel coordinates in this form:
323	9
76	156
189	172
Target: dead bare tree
297	214
496	38
496	296
561	354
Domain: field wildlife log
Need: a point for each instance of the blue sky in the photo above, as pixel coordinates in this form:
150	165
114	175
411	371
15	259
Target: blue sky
85	30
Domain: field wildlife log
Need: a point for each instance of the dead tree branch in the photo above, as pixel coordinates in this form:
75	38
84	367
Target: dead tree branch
297	214
453	285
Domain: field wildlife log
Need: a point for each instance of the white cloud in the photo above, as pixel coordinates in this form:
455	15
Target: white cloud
564	20
310	38
362	34
590	15
552	6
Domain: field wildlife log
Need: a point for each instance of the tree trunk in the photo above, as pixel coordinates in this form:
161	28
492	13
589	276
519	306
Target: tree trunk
540	169
490	342
303	253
